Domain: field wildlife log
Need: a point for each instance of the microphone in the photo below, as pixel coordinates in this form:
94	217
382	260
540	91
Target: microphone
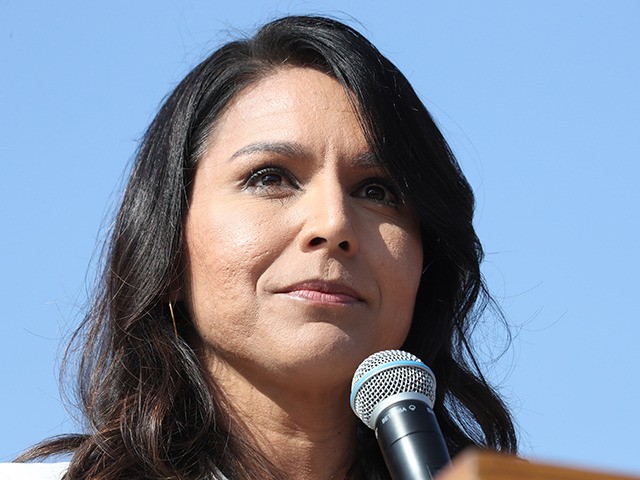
393	393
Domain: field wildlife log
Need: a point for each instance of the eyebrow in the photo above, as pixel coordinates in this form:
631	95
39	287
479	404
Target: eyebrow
297	150
287	149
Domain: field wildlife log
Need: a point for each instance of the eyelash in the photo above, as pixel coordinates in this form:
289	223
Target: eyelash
390	189
252	182
256	175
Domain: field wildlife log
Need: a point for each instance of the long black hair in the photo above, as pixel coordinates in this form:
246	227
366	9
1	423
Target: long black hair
150	408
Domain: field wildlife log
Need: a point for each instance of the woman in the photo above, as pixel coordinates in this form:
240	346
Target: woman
292	209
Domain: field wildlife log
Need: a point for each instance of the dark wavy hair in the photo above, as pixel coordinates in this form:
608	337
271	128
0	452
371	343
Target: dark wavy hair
150	408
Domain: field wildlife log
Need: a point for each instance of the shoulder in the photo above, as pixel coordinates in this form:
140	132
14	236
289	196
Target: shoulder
32	471
46	471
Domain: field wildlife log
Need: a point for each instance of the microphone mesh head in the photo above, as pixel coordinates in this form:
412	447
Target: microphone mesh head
388	373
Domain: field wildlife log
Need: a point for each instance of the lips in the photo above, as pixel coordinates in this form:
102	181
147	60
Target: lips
323	292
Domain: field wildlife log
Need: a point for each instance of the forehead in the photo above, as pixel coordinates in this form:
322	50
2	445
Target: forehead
292	103
292	87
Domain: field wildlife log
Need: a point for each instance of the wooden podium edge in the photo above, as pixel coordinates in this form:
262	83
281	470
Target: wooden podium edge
483	465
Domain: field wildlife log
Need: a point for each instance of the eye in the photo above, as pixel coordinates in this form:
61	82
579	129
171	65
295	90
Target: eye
380	191
375	192
269	178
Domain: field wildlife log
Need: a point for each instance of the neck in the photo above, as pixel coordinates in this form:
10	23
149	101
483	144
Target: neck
308	450
307	434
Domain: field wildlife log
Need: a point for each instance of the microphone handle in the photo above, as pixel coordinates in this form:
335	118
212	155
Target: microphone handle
411	441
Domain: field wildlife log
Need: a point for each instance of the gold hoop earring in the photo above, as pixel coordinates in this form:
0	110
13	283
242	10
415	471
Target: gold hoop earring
173	319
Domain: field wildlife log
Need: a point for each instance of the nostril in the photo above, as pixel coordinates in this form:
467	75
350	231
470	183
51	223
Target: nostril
316	241
344	245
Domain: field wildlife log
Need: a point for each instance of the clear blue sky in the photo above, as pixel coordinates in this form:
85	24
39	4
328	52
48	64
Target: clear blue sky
539	99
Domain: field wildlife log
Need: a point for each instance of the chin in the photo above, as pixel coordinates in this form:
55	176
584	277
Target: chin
326	364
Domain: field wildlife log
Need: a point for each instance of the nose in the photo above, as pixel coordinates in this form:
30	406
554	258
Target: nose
328	221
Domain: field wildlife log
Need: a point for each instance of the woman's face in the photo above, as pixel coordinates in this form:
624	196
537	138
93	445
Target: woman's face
300	258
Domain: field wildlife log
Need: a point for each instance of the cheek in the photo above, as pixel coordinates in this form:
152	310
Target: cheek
225	252
227	238
404	252
401	272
